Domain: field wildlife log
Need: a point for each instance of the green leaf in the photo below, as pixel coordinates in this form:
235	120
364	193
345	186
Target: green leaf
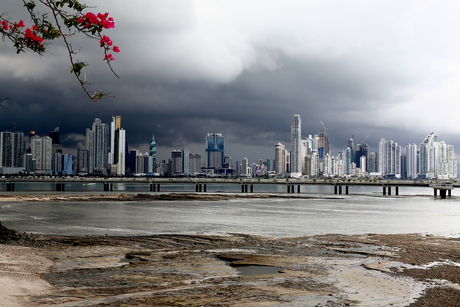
77	67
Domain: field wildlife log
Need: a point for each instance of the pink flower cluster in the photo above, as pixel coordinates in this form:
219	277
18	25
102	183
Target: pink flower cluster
17	25
32	37
5	25
107	43
30	34
100	20
96	20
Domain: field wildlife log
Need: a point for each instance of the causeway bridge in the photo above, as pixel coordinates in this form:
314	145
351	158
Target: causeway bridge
247	185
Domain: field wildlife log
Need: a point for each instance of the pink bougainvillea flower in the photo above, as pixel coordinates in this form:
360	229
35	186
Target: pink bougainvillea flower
20	24
116	49
106	41
109	57
29	34
90	17
102	16
108	24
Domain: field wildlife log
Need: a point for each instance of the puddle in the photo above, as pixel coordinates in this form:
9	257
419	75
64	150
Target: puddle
251	270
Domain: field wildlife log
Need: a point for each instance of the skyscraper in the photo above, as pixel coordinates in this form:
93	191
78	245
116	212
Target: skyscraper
195	164
67	167
389	158
362	150
323	143
42	148
82	161
372	164
436	159
180	162
245	169
427	157
117	155
55	136
411	161
215	146
296	146
97	143
153	149
280	159
11	149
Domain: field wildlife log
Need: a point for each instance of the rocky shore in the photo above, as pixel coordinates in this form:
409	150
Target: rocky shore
141	197
231	270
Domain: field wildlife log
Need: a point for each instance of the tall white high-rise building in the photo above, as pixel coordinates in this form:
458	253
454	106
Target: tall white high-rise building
280	159
436	159
411	161
389	158
42	153
427	156
296	146
97	143
245	169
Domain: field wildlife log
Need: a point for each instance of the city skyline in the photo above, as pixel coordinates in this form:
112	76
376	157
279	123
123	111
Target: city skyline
105	141
385	69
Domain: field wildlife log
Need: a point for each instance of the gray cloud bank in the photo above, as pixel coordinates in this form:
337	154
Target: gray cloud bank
382	68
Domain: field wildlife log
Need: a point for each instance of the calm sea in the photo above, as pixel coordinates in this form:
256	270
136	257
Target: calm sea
364	210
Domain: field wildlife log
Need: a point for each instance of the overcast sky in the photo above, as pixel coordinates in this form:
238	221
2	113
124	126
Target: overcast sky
382	69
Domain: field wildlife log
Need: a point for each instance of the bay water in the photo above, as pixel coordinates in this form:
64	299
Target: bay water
364	210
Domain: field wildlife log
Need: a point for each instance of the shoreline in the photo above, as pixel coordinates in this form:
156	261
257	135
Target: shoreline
197	270
136	196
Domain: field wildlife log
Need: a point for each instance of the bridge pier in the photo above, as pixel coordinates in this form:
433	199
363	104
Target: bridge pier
200	187
384	191
291	188
346	190
246	188
60	186
335	189
108	186
445	188
10	186
442	193
154	187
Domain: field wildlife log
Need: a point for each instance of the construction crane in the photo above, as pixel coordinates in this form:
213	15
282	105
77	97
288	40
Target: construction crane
323	125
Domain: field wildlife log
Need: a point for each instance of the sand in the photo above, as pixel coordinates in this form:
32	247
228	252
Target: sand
180	270
20	281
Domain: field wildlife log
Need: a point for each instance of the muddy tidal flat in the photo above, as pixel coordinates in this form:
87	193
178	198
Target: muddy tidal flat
229	270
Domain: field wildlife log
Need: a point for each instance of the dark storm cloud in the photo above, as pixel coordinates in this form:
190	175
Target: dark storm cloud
192	67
